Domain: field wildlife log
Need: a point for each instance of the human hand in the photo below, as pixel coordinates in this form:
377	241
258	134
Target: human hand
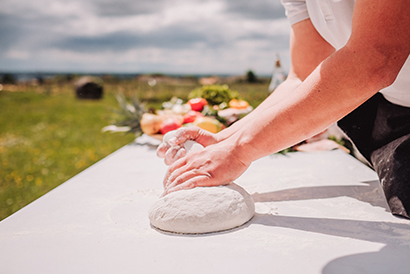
172	147
215	165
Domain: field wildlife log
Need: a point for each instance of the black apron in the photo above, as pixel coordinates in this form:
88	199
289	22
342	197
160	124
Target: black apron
381	132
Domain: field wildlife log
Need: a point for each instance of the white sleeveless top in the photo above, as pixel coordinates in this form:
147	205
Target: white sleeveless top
333	20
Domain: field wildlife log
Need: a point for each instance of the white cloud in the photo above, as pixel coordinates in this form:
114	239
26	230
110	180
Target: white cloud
170	36
18	54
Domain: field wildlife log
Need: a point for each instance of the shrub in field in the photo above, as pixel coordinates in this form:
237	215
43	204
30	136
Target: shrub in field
88	88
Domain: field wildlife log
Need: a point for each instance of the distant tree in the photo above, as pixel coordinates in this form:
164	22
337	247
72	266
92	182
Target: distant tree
251	77
40	80
8	78
69	77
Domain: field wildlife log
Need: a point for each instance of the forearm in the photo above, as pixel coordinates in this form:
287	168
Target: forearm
281	92
339	85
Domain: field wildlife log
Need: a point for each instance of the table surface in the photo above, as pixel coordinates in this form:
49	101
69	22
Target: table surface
318	212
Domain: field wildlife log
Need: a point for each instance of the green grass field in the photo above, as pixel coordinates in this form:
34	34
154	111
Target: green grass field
47	135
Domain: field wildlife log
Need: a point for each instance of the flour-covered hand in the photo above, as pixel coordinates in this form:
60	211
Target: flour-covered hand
173	149
215	165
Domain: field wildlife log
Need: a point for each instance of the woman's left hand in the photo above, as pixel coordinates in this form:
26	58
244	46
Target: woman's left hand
215	165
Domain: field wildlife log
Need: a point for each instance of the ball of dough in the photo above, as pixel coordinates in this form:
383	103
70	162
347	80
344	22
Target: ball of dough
203	209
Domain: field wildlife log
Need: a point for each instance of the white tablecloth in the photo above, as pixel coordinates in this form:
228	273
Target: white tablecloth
316	213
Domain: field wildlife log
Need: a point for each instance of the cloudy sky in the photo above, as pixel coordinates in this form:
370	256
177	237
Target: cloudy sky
134	36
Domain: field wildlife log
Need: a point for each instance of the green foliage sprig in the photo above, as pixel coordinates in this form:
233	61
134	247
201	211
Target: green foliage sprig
214	94
130	113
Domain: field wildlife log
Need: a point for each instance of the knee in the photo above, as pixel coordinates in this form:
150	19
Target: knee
392	164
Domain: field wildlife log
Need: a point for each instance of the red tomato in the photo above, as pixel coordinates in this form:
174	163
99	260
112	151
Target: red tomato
191	116
197	104
169	124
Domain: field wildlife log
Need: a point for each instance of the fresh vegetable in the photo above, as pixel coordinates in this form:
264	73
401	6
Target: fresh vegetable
170	124
181	109
151	123
238	104
168	113
197	104
214	94
209	124
192	116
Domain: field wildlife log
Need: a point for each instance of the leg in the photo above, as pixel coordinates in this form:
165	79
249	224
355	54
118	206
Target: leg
392	164
381	132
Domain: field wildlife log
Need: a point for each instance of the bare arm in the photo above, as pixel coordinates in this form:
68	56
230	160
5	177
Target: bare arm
370	61
308	49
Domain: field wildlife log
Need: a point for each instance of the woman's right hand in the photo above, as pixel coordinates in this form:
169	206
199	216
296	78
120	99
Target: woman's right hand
173	149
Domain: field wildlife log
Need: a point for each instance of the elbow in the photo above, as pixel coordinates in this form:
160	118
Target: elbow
383	67
387	68
378	61
383	77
